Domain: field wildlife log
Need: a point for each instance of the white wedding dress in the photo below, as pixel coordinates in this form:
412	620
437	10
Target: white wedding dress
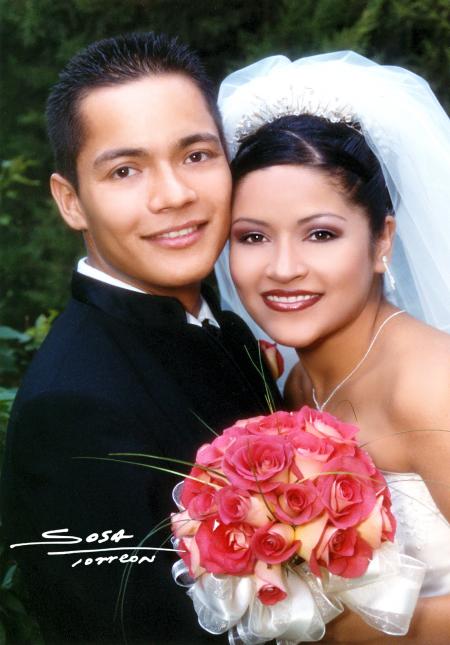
422	530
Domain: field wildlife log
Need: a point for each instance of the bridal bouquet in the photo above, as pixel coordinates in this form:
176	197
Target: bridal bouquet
282	520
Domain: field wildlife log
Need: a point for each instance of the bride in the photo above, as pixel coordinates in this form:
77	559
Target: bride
331	156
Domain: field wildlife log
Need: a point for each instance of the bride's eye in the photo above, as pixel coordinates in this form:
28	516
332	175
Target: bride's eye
321	235
252	238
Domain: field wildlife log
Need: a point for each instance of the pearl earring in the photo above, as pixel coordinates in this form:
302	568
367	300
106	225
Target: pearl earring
388	272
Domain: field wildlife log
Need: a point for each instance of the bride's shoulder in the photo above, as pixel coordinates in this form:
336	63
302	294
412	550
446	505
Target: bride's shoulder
421	363
421	353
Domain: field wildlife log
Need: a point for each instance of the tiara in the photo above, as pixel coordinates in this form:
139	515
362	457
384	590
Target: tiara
292	103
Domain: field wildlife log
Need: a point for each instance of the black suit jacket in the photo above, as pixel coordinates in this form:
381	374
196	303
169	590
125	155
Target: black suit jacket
119	372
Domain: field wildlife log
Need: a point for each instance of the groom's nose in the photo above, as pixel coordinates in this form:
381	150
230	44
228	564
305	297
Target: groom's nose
285	263
169	190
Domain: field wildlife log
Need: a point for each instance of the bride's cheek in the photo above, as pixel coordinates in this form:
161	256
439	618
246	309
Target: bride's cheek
240	264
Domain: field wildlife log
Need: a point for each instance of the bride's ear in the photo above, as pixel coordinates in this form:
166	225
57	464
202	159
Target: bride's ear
384	245
68	202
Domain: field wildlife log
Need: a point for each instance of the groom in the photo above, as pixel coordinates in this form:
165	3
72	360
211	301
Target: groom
142	360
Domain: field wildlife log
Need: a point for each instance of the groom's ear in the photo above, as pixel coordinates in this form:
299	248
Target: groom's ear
384	244
68	202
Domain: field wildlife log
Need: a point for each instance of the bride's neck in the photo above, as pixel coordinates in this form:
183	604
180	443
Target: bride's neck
330	360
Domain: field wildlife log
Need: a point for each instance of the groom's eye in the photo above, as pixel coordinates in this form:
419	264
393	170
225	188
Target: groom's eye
123	172
196	157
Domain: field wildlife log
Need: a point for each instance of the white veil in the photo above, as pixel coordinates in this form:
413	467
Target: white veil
406	128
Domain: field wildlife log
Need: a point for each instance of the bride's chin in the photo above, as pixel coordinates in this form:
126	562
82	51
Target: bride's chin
290	338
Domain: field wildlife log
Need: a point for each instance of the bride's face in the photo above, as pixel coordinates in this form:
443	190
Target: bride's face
301	254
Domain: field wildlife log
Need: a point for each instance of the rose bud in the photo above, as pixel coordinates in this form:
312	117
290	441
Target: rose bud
273	357
270	587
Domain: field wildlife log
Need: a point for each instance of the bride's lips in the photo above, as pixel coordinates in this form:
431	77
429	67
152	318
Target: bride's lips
178	237
280	300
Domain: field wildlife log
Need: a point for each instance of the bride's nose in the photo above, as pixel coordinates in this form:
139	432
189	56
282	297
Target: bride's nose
285	263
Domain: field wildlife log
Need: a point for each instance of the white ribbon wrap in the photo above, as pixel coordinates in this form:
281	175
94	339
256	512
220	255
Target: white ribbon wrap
385	597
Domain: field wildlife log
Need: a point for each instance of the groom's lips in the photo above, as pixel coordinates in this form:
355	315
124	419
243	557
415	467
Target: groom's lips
280	300
179	237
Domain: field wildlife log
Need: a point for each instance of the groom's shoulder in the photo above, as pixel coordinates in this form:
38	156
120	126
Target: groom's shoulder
73	355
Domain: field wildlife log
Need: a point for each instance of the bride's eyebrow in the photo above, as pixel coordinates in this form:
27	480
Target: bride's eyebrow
302	220
250	220
305	220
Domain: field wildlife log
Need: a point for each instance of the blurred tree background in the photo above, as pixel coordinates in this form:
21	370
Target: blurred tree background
37	37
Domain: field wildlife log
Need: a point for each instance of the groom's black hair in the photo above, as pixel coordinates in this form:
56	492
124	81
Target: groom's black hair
337	148
109	62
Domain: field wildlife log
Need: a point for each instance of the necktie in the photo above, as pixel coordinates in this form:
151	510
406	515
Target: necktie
210	328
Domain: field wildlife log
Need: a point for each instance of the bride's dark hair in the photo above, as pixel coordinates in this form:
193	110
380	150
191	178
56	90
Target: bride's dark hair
336	148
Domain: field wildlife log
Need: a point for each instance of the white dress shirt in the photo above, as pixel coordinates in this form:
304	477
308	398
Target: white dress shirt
205	312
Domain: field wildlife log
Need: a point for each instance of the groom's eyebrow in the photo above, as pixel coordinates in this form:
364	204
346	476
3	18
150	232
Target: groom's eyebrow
116	153
184	142
198	137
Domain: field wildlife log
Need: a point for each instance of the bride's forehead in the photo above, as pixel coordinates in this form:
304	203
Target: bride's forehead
284	183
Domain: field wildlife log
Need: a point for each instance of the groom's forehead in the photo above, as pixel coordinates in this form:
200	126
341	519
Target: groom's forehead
167	109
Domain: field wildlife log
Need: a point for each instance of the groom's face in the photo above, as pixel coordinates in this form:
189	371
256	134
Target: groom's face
154	184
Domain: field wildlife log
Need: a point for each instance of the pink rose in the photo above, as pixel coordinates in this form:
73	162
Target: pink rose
211	454
274	359
342	552
203	505
325	426
274	543
243	423
379	482
310	453
270	587
233	504
258	463
349	498
298	503
278	423
225	548
192	487
309	446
